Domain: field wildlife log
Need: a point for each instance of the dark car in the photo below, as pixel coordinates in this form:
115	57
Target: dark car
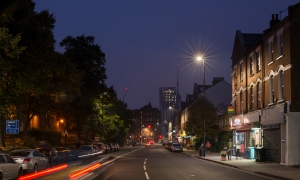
50	153
176	147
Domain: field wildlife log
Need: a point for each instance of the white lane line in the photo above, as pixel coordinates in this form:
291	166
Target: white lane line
145	168
147	177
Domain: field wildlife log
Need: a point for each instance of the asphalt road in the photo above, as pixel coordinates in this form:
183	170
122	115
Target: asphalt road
157	163
142	163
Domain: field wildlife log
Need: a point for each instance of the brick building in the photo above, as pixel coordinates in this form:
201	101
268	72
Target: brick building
265	89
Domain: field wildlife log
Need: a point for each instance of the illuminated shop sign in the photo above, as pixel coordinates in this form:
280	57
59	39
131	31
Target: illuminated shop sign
237	121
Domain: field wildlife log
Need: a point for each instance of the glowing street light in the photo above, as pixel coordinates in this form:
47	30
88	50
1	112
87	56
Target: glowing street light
199	58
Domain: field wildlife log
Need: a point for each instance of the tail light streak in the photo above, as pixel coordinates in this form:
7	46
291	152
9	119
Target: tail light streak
42	173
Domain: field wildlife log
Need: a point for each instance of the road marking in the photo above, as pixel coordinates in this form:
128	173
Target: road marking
147	177
145	168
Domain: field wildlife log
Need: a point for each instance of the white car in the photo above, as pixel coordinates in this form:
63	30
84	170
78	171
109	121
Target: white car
30	159
9	169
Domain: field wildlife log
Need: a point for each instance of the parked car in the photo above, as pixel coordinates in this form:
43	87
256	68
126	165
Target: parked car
117	146
95	148
9	169
85	150
176	147
107	148
169	145
65	154
111	147
50	153
30	159
101	147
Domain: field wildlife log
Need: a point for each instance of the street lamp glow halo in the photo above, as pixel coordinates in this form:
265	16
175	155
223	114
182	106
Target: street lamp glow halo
199	58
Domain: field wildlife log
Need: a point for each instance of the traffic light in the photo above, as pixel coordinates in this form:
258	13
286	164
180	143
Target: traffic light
149	126
159	136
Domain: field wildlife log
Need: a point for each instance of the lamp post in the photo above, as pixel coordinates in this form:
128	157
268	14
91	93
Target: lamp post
199	58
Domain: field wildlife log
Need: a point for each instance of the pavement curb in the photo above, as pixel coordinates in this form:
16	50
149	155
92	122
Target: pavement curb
199	157
233	166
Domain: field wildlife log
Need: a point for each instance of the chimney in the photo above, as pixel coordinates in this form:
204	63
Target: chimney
274	20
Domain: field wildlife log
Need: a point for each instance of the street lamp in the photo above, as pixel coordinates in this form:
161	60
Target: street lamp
199	58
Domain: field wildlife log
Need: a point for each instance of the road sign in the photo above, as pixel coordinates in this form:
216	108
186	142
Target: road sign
12	126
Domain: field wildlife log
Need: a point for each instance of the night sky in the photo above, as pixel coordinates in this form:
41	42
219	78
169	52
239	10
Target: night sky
145	40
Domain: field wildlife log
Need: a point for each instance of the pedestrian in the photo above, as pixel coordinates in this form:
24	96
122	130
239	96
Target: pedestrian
208	146
238	147
229	149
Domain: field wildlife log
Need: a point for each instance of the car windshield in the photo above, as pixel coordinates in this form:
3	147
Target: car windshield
19	153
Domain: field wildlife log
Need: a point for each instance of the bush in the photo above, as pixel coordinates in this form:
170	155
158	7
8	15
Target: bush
50	137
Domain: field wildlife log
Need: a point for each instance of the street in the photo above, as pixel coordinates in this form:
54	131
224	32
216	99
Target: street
153	162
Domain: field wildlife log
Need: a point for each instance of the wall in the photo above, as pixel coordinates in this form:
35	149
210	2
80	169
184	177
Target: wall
293	143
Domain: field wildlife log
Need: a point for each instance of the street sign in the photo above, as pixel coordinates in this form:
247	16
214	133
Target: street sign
12	126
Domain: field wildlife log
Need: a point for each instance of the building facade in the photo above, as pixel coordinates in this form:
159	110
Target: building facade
169	106
147	124
265	89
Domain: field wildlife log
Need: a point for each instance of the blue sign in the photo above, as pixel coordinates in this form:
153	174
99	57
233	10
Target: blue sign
12	126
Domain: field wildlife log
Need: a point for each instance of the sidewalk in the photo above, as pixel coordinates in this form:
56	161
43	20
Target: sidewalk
269	169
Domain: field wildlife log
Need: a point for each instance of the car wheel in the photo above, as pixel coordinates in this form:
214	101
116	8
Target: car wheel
20	173
35	168
0	176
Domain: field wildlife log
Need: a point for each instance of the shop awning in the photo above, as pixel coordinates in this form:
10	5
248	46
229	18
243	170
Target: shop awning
242	127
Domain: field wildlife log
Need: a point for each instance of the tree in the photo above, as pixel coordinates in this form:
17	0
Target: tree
32	72
202	111
9	55
90	61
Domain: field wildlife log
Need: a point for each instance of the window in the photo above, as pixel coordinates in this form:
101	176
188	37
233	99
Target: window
252	98
251	65
271	90
241	71
280	45
9	159
280	42
271	51
235	111
241	102
280	86
235	77
258	95
258	61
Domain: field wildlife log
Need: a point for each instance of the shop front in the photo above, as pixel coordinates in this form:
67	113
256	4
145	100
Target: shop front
246	130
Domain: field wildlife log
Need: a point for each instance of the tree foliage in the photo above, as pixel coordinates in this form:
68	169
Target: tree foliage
202	112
